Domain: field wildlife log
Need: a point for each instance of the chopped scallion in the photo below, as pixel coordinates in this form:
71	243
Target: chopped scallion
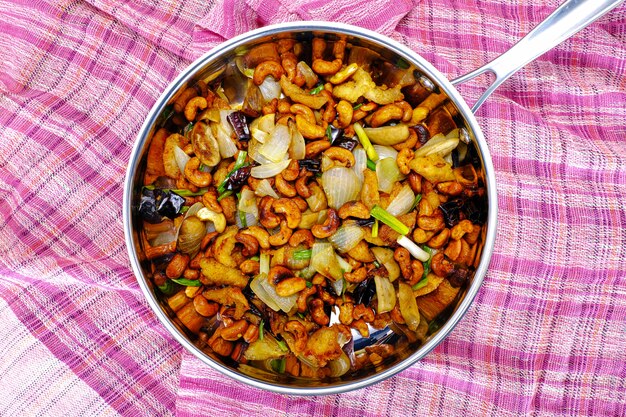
377	264
416	251
184	209
261	326
255	258
167	288
239	163
427	263
365	141
358	106
301	255
375	228
317	89
302	316
422	283
391	221
418	198
329	133
242	218
181	192
188	282
371	165
402	64
278	365
309	284
187	129
282	345
224	195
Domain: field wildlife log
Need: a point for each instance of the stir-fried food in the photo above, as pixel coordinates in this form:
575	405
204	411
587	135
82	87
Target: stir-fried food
334	198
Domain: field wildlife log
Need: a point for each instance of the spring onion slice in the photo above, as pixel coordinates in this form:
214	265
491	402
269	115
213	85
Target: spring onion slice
224	195
371	165
303	254
384	216
375	228
167	288
261	326
422	283
365	141
427	263
278	365
188	282
282	345
329	133
416	251
181	192
239	162
358	106
317	89
418	198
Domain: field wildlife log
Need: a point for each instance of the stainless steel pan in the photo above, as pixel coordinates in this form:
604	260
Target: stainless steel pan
568	19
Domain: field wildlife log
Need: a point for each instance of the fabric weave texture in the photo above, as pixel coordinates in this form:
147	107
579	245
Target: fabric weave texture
546	334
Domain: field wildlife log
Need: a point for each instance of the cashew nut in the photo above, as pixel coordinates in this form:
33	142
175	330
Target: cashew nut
318	315
304	111
290	210
403	159
438	241
266	68
344	74
278	273
329	227
282	237
301	183
290	286
356	276
251	245
268	219
177	265
260	234
192	107
292	171
194	175
284	187
235	331
354	209
302	236
410	143
264	52
309	130
415	182
229	208
300	334
301	301
385	114
219	220
403	258
432	223
369	191
299	201
440	265
250	267
344	113
183	98
344	156
204	307
362	312
322	67
451	188
345	313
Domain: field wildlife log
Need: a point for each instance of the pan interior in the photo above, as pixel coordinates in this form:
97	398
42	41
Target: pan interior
219	66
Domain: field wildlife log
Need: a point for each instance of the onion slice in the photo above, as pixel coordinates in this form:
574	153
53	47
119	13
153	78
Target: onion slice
181	158
347	237
403	202
265	188
270	169
341	185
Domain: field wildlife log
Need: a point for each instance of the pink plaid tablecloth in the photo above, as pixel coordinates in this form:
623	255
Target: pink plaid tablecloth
547	333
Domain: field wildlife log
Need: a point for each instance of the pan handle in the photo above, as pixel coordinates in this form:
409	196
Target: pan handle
571	17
